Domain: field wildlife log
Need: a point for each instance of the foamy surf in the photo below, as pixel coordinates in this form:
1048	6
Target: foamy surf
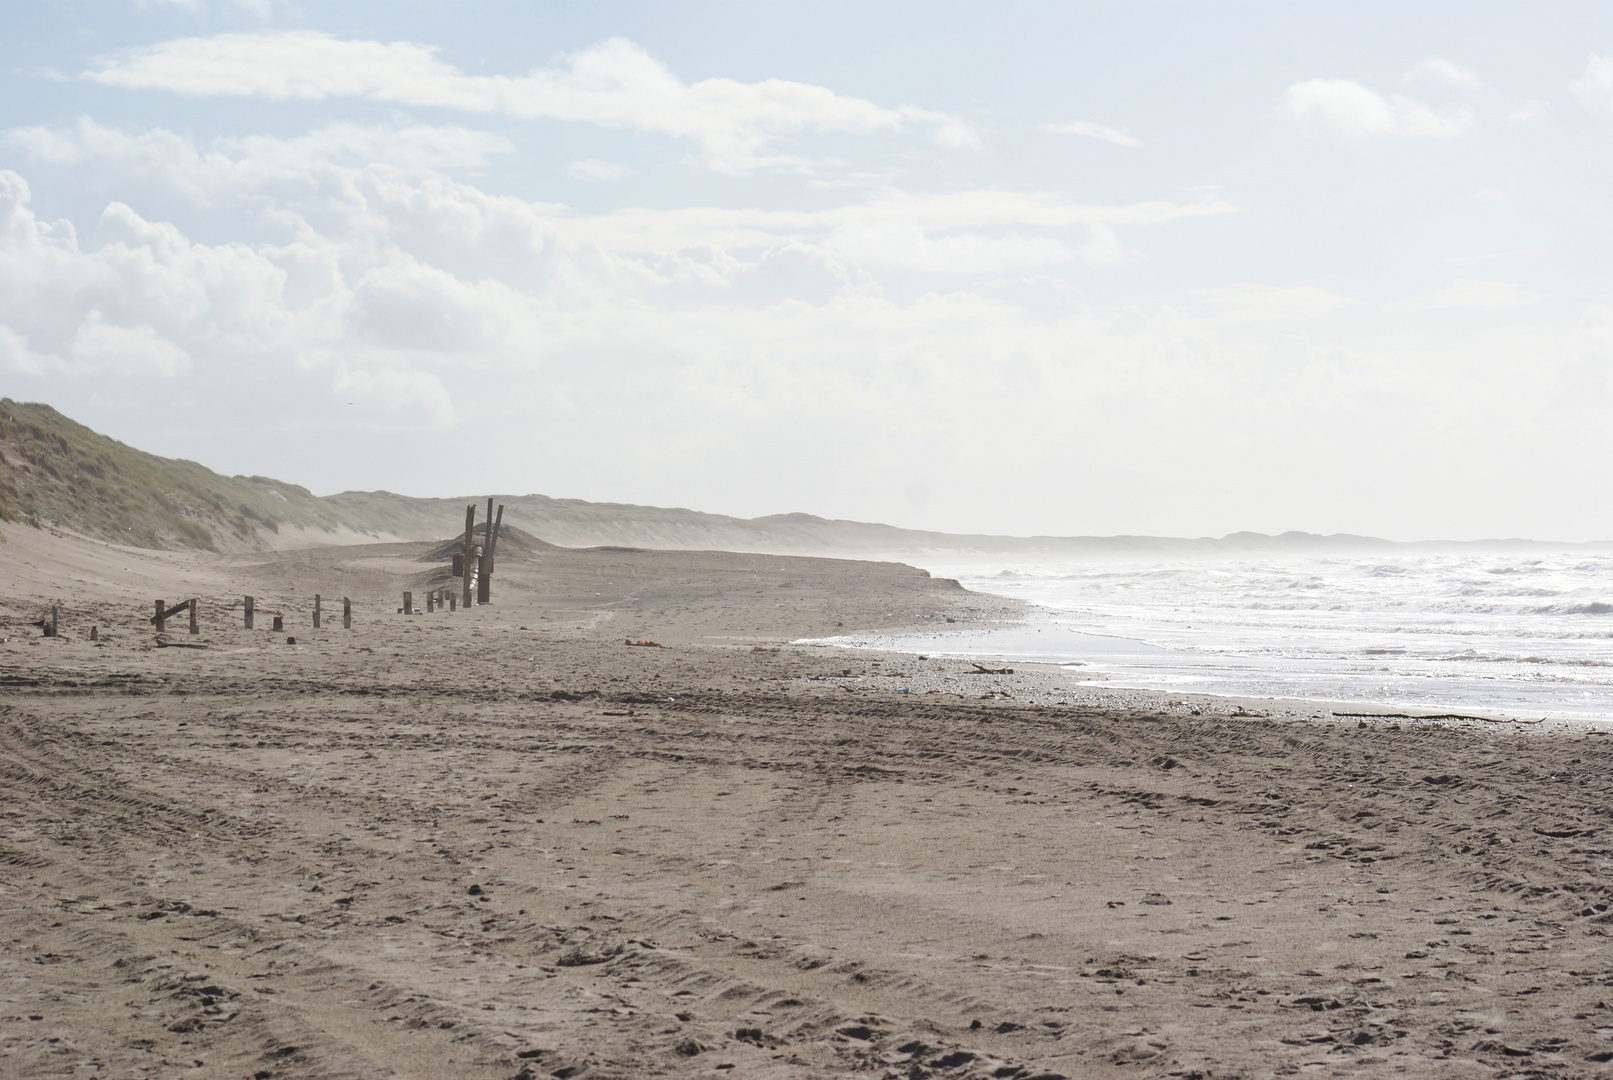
1511	634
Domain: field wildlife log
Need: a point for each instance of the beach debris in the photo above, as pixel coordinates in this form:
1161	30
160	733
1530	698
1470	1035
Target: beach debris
979	670
645	643
165	644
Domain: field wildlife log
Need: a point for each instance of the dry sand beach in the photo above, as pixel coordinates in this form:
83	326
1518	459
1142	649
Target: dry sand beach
501	843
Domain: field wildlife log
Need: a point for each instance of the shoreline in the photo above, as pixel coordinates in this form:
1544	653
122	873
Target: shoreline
1129	690
1043	684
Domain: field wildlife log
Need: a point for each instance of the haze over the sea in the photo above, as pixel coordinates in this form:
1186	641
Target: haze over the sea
1018	268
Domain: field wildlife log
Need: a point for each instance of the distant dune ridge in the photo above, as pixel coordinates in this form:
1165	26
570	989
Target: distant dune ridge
54	471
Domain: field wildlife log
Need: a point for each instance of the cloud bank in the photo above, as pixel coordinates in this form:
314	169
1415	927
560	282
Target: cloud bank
613	84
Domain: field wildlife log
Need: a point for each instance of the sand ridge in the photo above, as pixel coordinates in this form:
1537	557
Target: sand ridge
502	843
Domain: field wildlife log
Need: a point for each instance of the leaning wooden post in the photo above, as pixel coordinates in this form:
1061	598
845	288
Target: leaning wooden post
249	613
161	622
194	628
470	523
408	603
347	614
487	558
316	611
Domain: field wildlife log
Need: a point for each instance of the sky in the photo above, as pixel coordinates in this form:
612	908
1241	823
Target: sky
1020	268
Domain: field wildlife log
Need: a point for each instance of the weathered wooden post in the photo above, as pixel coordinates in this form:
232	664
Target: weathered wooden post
470	523
249	613
279	624
95	633
453	603
194	628
51	627
431	601
485	593
316	611
160	619
347	614
408	603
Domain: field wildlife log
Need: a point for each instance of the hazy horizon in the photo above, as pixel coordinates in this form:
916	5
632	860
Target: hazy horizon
1027	270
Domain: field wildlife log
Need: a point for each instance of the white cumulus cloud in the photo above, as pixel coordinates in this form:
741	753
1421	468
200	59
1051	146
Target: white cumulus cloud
1353	111
1438	71
126	350
1594	89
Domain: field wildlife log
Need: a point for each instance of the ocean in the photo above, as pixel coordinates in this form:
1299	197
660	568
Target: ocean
1502	634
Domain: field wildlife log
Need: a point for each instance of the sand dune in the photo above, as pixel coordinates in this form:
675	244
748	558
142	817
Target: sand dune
502	843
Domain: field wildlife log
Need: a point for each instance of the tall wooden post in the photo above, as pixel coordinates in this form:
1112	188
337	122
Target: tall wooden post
51	630
408	603
248	612
453	603
316	611
194	627
347	614
431	601
488	556
470	524
159	620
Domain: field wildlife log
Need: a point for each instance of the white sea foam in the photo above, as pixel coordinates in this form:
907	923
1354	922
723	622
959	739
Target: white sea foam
1505	633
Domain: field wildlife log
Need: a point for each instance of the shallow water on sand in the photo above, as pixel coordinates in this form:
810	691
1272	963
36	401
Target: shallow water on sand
1504	633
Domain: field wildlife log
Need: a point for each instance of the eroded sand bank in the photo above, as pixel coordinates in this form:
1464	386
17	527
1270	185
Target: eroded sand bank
501	843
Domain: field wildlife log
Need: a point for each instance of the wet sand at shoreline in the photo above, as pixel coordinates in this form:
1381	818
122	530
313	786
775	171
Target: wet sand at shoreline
502	843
